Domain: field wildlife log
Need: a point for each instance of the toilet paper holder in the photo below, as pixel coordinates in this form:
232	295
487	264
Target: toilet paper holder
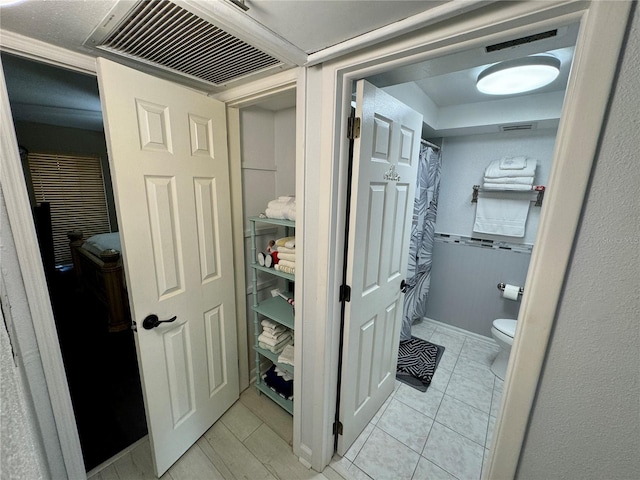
502	285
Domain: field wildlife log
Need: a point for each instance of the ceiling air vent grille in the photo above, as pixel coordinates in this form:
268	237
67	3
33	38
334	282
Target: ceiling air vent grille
517	127
521	41
164	34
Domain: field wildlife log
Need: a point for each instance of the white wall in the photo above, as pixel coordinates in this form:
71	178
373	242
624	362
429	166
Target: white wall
586	418
285	151
28	414
463	162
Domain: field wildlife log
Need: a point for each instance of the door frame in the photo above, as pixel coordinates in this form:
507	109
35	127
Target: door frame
235	99
603	25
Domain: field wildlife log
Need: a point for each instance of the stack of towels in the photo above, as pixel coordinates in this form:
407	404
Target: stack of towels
274	337
510	173
286	248
280	381
498	214
283	208
286	356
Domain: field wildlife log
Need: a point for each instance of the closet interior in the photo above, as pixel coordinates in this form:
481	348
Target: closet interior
267	150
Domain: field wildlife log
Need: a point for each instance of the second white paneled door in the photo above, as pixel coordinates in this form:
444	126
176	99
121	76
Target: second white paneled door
385	165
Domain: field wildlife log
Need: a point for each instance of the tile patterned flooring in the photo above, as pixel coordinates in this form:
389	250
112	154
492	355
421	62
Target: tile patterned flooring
252	441
443	433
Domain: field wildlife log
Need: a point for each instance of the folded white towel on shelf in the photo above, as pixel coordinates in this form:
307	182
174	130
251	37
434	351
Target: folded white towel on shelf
287	355
281	201
286	250
291	257
275	343
274	330
275	349
506	186
282	242
270	323
283	208
511	180
513	163
276	337
501	216
287	263
290	270
493	170
287	376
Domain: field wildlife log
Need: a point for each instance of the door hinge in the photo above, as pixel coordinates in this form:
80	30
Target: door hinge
353	128
337	428
345	293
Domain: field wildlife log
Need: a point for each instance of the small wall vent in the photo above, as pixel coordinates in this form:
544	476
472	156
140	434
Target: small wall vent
517	127
165	35
521	41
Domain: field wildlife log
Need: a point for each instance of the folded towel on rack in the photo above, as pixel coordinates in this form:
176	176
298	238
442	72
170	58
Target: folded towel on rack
278	384
512	180
286	376
286	250
287	355
289	270
274	330
290	257
493	170
287	263
282	208
271	324
281	342
274	349
280	201
513	163
501	216
286	242
506	186
275	337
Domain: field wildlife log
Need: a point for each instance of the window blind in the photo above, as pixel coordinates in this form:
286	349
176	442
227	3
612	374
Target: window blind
74	187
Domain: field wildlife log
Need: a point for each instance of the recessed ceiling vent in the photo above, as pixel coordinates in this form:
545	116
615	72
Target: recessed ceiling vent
516	127
521	41
165	35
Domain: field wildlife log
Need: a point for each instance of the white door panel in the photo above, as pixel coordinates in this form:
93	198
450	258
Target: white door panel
168	156
384	174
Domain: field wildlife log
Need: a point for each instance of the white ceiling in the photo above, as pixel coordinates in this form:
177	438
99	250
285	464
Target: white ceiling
306	25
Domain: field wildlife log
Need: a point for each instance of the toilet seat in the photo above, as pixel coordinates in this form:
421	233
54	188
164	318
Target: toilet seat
506	326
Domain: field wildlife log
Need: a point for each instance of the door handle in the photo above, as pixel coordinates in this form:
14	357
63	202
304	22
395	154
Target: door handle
152	321
403	286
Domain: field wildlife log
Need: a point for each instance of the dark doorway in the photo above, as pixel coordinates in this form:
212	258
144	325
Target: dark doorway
58	111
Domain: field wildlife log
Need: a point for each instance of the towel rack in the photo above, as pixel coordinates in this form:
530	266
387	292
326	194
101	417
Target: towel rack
502	285
536	188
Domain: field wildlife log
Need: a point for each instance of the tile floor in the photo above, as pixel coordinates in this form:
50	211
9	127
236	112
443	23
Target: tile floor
252	441
443	433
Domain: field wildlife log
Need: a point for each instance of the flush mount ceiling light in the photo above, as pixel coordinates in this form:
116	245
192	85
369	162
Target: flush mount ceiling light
518	76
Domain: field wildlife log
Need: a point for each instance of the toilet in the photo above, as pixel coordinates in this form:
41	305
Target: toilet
503	330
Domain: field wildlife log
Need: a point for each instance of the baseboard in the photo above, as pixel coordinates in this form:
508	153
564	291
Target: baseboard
459	331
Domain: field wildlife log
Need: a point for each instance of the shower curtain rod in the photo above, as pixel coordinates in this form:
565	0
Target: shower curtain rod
429	144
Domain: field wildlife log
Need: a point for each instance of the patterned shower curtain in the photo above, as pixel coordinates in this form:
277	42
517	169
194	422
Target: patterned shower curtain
422	232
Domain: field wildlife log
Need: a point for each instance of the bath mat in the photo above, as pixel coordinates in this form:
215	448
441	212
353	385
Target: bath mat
417	362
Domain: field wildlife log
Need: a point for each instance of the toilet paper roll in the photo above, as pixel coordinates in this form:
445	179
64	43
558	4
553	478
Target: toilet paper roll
511	292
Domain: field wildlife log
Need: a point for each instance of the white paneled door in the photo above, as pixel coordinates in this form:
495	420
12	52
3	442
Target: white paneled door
385	165
168	157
